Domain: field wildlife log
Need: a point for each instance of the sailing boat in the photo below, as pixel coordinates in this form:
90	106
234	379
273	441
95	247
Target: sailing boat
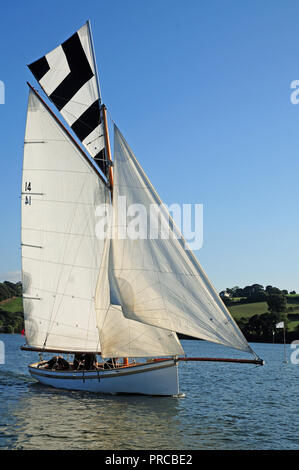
119	297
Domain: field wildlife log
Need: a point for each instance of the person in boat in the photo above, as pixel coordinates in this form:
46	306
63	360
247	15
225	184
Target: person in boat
90	361
85	361
57	363
78	361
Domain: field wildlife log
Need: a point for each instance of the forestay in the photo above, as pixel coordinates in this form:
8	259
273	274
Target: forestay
61	255
157	281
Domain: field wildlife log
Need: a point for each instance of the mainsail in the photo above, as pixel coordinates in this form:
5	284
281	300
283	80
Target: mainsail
68	76
61	255
158	281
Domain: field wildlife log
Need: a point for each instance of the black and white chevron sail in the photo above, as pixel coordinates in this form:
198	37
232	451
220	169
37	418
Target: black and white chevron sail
67	74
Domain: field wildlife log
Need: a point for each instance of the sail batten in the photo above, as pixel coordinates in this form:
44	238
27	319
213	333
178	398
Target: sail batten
158	281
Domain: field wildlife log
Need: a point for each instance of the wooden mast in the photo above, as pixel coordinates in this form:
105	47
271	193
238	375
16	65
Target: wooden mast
106	136
103	112
106	133
110	172
108	148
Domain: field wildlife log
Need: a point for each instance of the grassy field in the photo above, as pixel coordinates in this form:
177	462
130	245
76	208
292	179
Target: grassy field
12	305
293	316
257	308
293	299
292	324
248	310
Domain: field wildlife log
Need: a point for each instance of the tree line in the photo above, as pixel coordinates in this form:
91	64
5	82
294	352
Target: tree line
10	322
262	327
258	327
9	289
249	294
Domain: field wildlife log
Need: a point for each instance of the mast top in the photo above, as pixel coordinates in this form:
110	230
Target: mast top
94	61
108	148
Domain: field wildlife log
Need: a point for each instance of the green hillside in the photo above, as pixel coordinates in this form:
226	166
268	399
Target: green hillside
12	305
246	311
11	315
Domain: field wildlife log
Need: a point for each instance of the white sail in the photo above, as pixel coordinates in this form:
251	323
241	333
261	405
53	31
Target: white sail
61	255
157	281
121	337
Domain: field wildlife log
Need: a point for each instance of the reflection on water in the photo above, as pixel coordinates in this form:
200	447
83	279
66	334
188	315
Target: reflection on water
49	418
226	407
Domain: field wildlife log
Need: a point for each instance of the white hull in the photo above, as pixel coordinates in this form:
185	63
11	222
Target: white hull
153	378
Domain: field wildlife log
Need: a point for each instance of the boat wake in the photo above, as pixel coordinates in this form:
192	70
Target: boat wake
10	378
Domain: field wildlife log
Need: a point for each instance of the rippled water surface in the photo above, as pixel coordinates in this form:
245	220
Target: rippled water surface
227	406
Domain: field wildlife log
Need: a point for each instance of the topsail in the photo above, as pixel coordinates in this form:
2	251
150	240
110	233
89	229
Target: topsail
68	76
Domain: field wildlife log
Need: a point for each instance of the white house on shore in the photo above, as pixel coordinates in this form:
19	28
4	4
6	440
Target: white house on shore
224	293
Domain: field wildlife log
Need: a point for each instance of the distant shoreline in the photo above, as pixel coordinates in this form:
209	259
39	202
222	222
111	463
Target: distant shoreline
243	312
189	338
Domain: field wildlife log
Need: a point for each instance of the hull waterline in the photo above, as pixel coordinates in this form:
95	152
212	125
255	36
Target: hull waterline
154	378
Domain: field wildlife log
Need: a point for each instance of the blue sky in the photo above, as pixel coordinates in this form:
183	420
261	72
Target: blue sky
201	91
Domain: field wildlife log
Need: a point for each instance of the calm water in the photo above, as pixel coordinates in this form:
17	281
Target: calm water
227	406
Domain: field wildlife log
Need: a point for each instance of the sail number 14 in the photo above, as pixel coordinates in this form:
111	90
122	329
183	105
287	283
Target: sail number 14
27	188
